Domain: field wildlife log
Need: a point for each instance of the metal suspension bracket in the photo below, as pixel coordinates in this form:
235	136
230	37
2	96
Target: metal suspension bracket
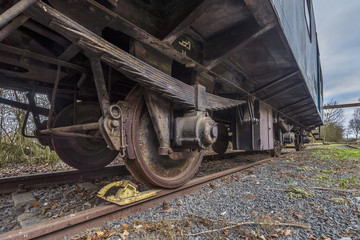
112	127
160	112
45	140
252	119
126	194
31	108
195	130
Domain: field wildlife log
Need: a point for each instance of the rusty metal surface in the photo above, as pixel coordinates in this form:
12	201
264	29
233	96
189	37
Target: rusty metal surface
148	166
195	130
160	111
349	105
27	182
71	225
78	127
100	84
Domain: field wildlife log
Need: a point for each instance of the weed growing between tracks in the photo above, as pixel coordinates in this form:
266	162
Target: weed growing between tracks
333	162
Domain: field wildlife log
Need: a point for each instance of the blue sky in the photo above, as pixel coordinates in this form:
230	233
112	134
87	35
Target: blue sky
339	42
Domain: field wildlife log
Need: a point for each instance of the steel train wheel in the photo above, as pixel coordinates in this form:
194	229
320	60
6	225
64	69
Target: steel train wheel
149	167
299	147
276	152
222	141
81	153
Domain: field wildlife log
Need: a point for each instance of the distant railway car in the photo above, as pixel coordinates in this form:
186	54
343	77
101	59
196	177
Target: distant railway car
160	81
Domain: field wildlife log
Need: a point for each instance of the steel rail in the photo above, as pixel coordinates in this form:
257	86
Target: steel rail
32	181
351	147
26	182
79	222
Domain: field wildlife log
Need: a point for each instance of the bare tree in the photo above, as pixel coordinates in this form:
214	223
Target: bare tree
354	124
335	116
333	119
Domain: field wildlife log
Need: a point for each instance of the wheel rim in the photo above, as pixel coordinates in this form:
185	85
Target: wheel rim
150	168
81	153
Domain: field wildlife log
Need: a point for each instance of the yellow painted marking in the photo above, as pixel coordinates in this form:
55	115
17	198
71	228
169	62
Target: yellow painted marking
186	44
126	194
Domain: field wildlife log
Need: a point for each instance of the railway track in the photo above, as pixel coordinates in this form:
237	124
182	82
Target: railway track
352	147
32	181
78	222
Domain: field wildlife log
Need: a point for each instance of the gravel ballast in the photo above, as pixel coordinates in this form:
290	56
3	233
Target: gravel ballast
61	200
313	194
306	195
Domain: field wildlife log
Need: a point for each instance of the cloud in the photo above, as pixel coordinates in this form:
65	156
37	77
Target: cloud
339	44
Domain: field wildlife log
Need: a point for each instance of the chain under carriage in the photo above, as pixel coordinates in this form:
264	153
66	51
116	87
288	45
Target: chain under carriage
153	87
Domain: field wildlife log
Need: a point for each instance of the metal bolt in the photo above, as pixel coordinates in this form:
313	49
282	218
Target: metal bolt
115	123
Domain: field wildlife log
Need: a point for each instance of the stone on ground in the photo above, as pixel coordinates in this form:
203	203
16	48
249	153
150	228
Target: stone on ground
21	199
28	219
88	186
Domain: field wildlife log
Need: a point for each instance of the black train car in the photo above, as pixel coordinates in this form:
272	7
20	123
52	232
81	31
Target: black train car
159	81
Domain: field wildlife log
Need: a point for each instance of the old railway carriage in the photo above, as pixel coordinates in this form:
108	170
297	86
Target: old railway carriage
160	81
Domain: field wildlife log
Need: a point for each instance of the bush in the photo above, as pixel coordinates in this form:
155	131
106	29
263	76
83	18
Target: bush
25	151
332	132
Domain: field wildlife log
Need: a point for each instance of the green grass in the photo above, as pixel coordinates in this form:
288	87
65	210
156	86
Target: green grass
297	192
333	180
304	168
349	182
333	161
334	153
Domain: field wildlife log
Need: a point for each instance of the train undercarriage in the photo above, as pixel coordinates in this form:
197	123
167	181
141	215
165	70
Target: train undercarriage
157	99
